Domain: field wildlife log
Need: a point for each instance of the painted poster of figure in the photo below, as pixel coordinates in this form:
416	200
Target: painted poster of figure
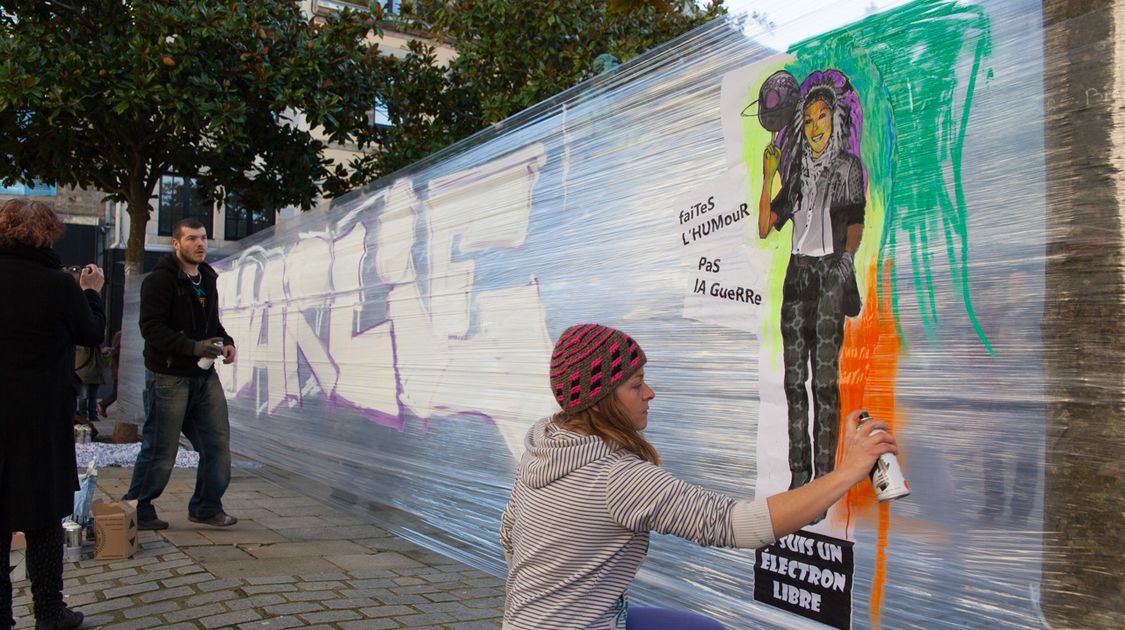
813	153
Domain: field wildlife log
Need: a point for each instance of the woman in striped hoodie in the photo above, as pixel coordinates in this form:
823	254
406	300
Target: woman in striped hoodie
589	490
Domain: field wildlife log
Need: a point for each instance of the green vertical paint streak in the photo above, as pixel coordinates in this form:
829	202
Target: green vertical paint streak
754	141
905	66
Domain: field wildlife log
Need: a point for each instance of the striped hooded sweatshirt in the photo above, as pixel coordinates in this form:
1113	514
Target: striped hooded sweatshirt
576	528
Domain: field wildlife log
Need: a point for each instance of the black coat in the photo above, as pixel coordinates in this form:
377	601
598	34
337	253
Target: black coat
172	319
43	314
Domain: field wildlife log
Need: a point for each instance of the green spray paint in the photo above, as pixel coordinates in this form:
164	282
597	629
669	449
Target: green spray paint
908	67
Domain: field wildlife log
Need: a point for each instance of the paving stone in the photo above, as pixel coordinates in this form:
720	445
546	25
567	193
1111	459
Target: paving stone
383	560
218	553
320	586
230	619
95	621
305	548
370	574
218	585
257	601
418	589
208	598
370	624
243	536
428	619
272	579
445	578
293	608
312	596
484	602
189	569
350	532
135	624
326	577
167	593
145	577
110	575
271	566
390	599
389	611
482	624
106	606
330	616
195	612
274	622
131	589
82	599
151	609
269	588
183	580
373	583
351	602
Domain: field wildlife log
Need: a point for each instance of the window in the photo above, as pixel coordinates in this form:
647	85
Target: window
392	7
36	189
177	201
380	115
242	221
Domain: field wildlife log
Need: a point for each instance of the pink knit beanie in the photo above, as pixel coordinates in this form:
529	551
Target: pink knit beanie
589	361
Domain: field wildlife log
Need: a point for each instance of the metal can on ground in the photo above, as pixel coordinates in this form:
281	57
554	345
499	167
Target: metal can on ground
73	538
886	475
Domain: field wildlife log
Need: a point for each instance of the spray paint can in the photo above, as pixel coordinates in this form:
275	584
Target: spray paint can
205	363
73	533
886	474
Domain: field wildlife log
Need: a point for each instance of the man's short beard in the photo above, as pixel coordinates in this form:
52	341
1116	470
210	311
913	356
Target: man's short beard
180	256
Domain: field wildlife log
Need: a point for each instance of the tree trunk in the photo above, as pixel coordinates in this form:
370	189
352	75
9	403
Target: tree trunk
1083	328
135	250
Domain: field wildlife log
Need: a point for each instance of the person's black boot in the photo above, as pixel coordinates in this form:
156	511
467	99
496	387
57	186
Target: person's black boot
63	619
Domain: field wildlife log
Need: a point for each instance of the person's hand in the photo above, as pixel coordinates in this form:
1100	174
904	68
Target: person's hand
863	445
229	352
771	158
91	277
211	348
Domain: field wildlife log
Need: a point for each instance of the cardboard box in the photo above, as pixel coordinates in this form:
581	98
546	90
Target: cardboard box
17	560
115	529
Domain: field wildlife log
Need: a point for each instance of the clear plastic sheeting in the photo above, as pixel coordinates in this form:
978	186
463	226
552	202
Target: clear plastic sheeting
396	346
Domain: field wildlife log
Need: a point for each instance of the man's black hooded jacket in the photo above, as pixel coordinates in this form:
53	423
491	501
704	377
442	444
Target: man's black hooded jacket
172	319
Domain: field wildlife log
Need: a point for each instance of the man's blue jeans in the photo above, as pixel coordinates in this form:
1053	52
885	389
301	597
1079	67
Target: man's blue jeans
197	407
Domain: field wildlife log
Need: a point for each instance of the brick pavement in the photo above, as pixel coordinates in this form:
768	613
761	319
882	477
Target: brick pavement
291	561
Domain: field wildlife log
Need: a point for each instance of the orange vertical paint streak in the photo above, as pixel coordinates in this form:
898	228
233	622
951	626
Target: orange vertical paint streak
868	365
879	580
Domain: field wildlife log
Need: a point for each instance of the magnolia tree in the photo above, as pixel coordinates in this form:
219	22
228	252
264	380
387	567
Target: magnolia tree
511	54
112	94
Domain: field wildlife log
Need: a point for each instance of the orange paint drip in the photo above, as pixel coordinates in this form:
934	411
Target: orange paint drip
879	580
868	365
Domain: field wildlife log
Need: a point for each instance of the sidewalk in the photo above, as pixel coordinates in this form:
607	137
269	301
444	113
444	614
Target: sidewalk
291	561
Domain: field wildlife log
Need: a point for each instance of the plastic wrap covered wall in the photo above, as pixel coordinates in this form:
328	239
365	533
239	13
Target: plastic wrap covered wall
396	347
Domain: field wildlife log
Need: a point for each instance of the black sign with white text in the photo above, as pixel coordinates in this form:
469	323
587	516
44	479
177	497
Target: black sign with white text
807	574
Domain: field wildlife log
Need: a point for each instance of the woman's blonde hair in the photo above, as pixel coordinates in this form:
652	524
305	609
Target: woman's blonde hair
608	420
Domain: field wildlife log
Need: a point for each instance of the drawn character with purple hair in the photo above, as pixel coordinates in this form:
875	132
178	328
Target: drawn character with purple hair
816	152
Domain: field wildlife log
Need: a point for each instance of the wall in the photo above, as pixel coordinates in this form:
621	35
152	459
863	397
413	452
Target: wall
396	346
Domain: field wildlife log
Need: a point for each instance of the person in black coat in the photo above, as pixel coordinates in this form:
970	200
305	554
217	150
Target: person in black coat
43	314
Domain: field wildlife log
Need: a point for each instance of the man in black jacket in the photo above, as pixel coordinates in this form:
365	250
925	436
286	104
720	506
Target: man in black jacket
180	325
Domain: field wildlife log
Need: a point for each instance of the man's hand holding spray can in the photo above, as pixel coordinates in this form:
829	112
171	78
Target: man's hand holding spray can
208	350
886	475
